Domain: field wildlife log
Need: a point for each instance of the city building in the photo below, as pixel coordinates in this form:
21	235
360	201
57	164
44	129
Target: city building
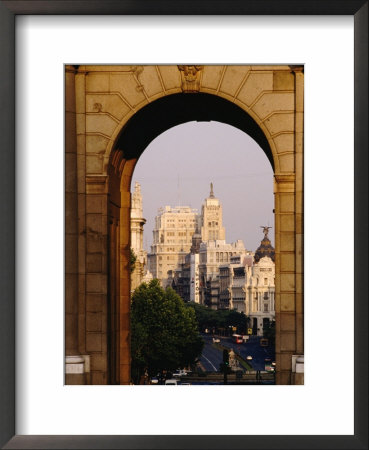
203	268
232	280
172	241
212	218
137	224
247	284
212	255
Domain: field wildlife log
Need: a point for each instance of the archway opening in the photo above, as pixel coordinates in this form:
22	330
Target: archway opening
140	130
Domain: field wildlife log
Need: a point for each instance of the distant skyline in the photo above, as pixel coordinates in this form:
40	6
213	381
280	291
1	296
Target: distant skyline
176	169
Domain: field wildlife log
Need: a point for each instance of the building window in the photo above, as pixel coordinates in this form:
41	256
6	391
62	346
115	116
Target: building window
265	281
265	307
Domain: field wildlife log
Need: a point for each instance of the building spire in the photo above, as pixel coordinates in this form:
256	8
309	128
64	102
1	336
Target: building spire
211	191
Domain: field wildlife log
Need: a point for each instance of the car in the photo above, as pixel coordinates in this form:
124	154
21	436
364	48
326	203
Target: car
185	384
216	340
249	358
171	382
180	373
154	380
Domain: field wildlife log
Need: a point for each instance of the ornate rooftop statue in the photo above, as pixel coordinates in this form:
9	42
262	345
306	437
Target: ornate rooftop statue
265	248
265	230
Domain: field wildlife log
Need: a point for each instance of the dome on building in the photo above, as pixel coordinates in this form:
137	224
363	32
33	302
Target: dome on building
265	248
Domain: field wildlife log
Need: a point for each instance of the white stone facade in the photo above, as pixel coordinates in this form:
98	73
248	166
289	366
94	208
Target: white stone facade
194	278
172	240
137	224
213	254
249	288
212	218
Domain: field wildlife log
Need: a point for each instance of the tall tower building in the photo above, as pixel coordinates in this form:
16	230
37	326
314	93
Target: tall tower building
212	218
137	223
194	267
172	240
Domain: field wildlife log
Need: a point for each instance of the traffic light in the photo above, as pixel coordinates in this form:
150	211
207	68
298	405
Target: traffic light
225	357
225	365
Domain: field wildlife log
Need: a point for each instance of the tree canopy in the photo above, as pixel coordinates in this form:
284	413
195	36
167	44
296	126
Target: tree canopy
220	320
164	333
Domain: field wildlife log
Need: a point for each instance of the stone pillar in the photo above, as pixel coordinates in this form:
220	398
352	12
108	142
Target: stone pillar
125	275
285	279
71	227
77	363
96	232
299	207
125	295
81	187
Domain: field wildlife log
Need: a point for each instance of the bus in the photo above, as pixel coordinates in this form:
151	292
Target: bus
268	365
237	338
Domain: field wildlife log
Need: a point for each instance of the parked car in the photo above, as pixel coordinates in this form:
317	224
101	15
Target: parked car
249	358
216	340
154	380
171	382
180	373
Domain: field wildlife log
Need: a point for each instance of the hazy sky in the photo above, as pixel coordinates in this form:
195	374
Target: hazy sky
178	166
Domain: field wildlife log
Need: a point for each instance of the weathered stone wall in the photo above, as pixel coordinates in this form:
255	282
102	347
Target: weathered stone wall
100	102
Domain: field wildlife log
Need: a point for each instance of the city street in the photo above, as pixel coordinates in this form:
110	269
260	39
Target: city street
212	357
252	348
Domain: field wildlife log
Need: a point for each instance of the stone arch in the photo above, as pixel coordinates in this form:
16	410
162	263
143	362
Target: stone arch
183	108
109	104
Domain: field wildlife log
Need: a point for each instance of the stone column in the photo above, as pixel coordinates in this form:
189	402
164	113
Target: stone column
125	294
299	207
96	232
81	186
77	363
71	227
285	280
125	274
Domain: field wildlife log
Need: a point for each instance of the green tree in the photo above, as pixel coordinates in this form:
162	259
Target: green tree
164	333
220	319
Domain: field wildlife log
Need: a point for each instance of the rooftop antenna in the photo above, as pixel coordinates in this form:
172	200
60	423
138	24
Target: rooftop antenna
211	190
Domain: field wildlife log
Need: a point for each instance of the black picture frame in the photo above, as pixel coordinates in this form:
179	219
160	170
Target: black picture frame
8	11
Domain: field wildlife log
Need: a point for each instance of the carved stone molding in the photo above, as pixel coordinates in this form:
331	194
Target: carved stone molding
190	76
96	184
137	70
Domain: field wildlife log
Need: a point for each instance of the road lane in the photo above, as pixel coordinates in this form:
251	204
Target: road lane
211	357
252	348
212	365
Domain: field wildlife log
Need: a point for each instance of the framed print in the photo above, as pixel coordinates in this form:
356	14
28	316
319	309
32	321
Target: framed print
51	412
185	240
